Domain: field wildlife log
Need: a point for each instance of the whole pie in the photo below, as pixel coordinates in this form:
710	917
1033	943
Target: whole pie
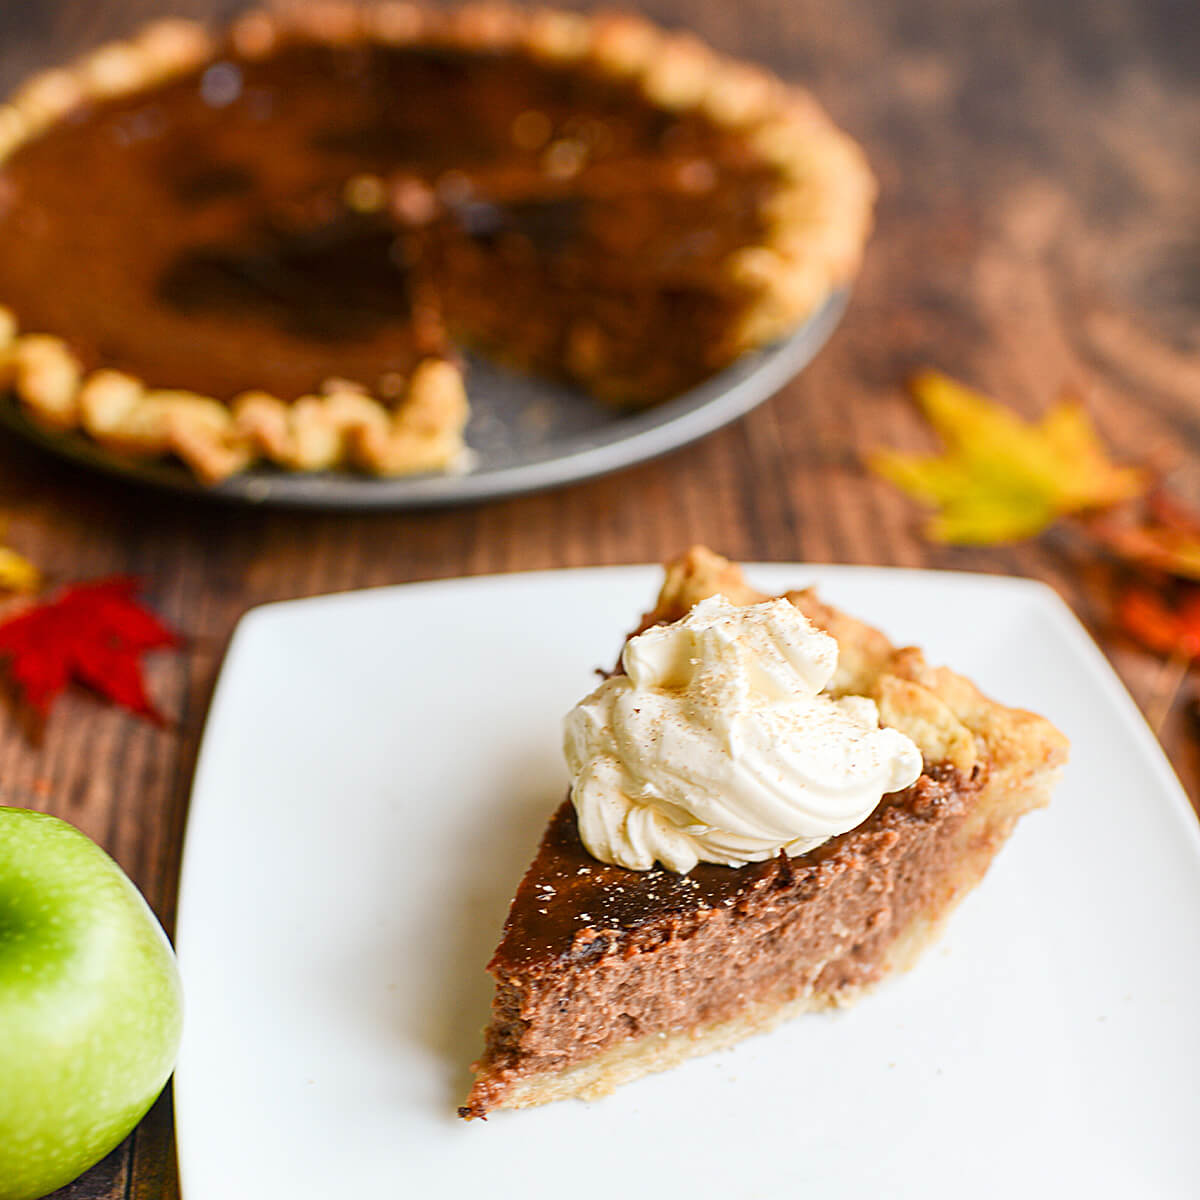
605	973
266	244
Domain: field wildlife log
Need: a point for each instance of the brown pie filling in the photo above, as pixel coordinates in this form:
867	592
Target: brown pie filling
594	955
339	210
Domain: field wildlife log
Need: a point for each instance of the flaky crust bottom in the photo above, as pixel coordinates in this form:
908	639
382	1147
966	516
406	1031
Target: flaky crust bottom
628	1061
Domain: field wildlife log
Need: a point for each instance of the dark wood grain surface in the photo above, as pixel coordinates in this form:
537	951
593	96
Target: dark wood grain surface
1038	227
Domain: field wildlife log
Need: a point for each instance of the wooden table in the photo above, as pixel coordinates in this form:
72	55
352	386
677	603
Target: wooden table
1037	228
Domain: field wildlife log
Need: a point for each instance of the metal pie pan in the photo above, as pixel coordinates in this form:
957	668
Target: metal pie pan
525	434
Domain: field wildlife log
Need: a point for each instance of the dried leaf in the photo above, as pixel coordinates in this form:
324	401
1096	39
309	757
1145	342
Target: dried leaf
17	573
1169	626
1001	478
94	633
1160	535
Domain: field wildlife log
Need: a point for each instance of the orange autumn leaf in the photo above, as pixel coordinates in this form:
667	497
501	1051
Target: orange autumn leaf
1160	535
1168	626
1001	478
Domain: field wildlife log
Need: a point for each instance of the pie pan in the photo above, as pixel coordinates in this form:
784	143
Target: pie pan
525	435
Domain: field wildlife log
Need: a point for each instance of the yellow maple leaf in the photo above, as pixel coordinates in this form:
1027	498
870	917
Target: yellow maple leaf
17	573
1001	478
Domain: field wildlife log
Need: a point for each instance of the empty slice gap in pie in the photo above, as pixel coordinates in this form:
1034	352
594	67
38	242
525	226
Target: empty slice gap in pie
266	245
606	973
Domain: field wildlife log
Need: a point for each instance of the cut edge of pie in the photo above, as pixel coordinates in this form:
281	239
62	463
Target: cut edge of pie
815	223
986	765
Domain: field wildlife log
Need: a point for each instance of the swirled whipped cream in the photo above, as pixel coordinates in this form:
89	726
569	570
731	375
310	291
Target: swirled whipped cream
716	745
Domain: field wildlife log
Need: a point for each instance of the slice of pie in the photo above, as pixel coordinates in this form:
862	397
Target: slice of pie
267	244
605	973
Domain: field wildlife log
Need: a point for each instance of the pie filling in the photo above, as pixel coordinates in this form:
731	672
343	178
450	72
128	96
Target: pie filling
698	949
342	211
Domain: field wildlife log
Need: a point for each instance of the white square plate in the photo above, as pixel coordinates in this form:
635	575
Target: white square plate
374	778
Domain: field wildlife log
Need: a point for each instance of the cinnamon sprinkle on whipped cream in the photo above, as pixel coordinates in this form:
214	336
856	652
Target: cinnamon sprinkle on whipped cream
717	744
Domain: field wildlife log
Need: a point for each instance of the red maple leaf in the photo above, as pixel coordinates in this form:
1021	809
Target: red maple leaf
94	633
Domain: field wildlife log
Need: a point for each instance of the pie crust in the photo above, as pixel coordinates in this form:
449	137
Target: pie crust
604	975
811	216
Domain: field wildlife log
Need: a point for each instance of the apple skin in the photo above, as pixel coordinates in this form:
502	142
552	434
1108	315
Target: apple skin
90	1004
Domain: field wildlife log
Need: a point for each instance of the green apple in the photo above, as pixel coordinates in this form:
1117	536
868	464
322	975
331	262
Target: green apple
90	1004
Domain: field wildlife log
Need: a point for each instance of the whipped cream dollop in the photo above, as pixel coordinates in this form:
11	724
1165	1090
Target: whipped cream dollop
716	745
